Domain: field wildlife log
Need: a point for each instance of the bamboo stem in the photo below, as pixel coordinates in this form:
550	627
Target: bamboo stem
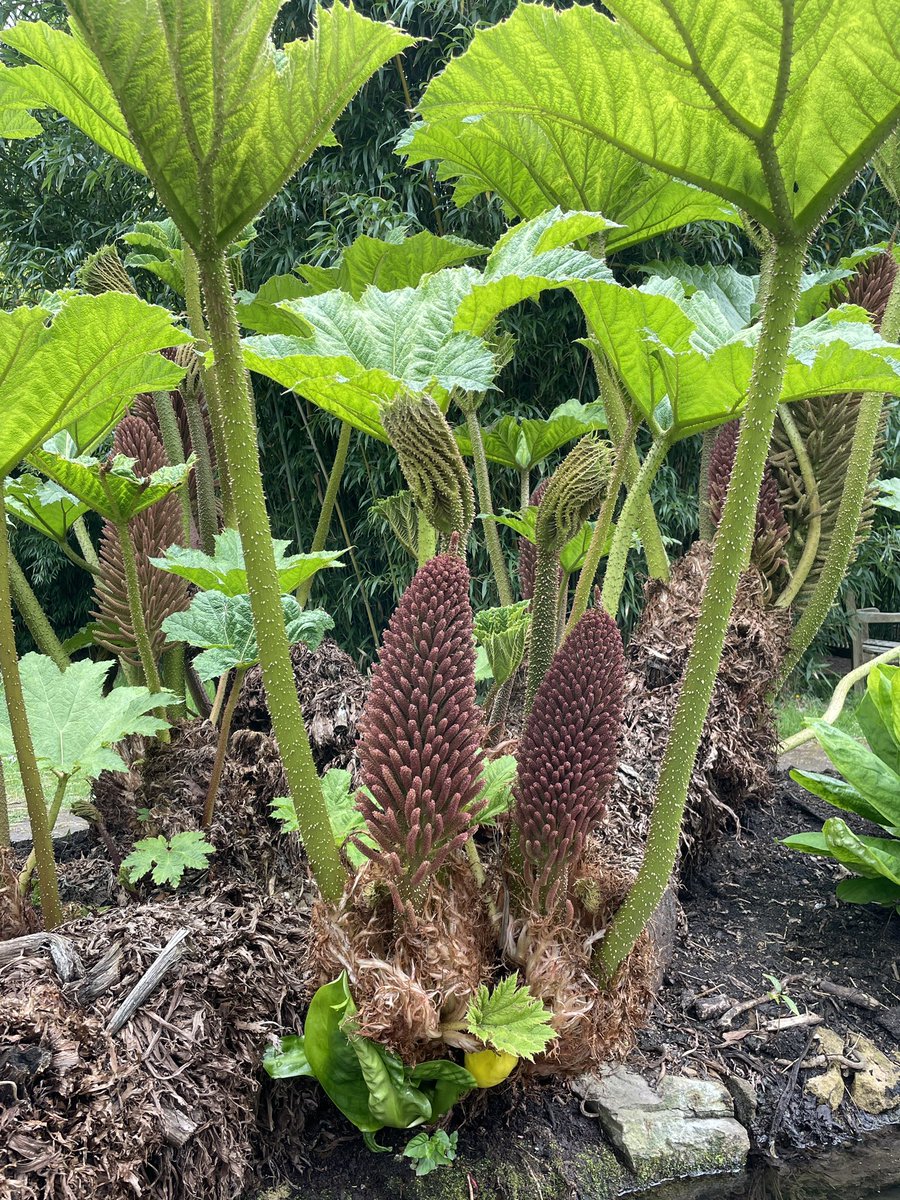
238	430
41	837
34	616
222	747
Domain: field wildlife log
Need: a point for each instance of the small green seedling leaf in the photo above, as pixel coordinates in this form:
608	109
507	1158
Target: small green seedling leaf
510	1020
287	1059
222	626
430	1151
166	860
225	570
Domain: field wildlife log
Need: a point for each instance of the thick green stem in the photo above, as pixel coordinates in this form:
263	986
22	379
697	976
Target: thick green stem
617	418
588	573
839	698
704	515
5	840
426	544
41	837
174	677
853	497
74	557
34	616
524	488
207	512
174	448
222	747
136	609
27	871
730	548
814	526
83	538
194	305
320	537
629	518
483	484
242	457
544	608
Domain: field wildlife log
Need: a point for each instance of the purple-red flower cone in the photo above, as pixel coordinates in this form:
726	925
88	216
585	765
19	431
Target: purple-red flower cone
568	754
421	730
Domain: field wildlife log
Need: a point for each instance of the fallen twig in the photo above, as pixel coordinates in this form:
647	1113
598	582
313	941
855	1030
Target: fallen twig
148	982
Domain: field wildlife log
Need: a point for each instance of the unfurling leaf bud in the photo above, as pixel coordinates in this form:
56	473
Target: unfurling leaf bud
431	463
574	492
568	755
103	271
420	732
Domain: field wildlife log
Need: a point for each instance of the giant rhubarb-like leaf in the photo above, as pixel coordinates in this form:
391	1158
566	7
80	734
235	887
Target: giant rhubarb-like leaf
89	351
695	88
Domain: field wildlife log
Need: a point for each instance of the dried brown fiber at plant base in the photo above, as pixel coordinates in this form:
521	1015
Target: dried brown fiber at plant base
736	756
594	1024
408	975
17	916
170	783
168	1106
332	693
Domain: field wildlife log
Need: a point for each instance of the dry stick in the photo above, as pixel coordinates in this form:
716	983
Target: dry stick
838	699
18	720
65	958
34	616
814	527
588	573
148	982
222	747
320	537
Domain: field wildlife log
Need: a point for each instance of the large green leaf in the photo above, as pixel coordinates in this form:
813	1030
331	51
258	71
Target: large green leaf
532	257
514	157
222	626
331	1057
43	505
56	368
73	725
863	770
225	571
664	344
687	87
363	353
66	76
112	489
521	445
837	792
220	118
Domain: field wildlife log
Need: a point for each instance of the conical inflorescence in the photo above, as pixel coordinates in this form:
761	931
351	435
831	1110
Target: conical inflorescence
568	755
421	730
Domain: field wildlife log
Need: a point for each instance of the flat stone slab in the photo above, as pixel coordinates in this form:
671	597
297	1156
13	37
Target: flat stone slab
67	824
681	1128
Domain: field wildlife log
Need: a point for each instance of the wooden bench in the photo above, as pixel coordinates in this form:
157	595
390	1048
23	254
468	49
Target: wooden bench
865	646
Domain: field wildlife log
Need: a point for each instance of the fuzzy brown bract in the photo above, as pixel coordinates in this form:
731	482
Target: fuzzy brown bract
421	729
